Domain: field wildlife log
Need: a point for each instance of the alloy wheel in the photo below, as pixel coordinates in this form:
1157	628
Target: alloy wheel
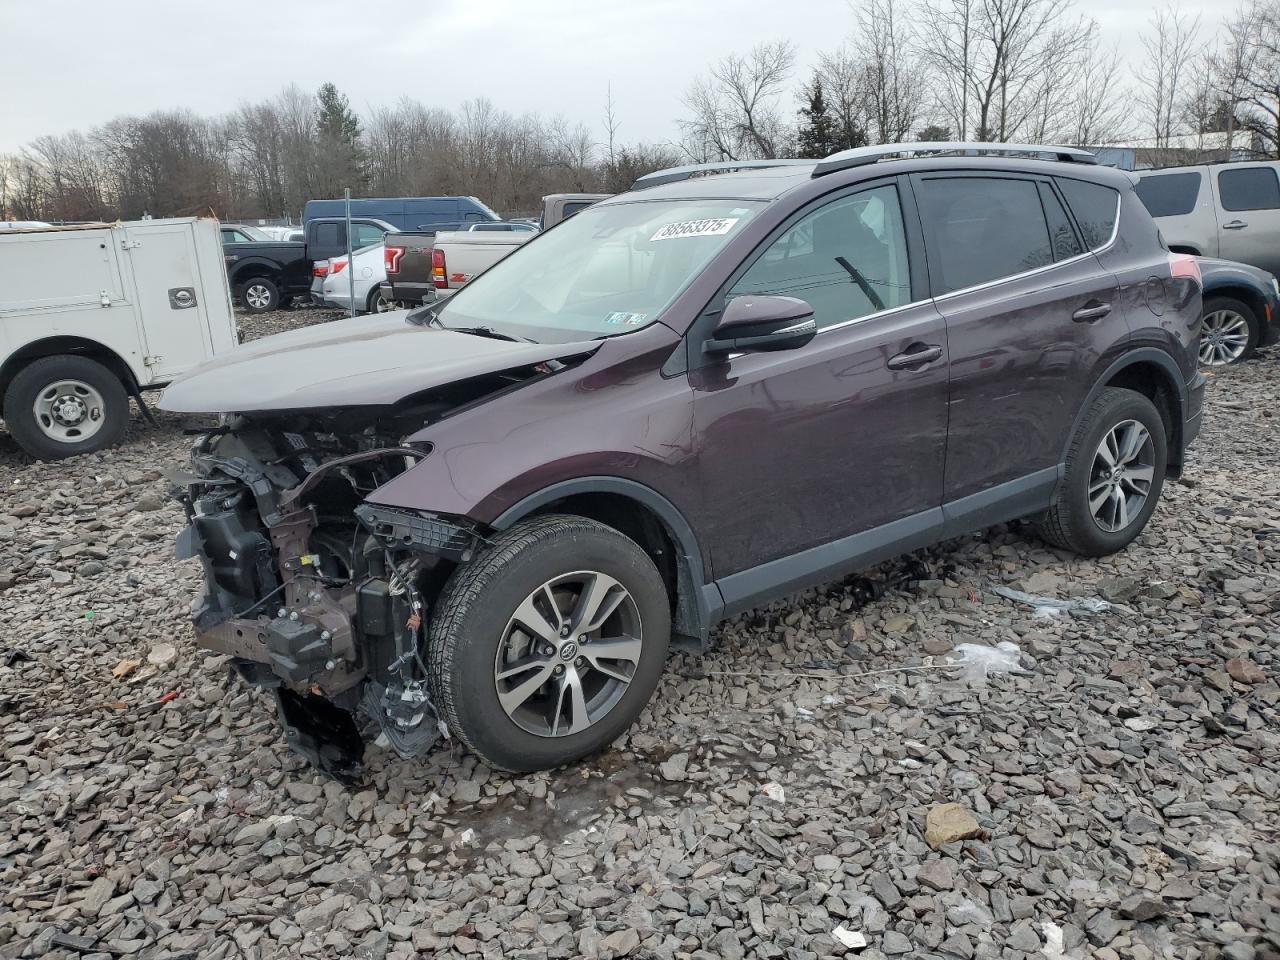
69	411
1224	335
568	654
1122	474
257	296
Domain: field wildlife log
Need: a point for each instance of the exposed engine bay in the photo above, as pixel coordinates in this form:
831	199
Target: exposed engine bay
316	595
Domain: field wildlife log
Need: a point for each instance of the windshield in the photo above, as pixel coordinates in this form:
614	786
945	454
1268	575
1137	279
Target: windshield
611	269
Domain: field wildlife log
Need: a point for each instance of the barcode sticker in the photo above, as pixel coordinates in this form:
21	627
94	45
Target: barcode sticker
712	227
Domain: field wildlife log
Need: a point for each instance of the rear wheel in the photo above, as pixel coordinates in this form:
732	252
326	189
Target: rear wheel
62	406
1114	475
259	295
377	303
1228	332
548	644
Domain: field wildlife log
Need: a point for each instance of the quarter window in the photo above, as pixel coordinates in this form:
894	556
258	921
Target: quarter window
1095	208
1062	235
984	229
1253	188
847	259
1169	194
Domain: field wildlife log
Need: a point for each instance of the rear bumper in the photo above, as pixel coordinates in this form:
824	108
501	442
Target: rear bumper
1194	414
407	292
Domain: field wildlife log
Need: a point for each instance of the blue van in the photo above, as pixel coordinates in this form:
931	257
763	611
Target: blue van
405	213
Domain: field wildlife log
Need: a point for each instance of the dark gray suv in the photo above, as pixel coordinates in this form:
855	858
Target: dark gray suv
723	386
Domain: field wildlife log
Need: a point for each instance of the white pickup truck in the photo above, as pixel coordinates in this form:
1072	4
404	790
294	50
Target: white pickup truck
459	257
90	315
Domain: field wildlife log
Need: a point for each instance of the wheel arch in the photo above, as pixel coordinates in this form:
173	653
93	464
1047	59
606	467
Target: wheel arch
1155	375
73	346
247	270
655	524
1249	295
1186	248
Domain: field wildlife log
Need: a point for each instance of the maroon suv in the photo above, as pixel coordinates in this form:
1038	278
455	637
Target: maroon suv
494	514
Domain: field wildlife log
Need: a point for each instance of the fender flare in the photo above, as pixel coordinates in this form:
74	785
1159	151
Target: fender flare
242	271
1173	380
700	603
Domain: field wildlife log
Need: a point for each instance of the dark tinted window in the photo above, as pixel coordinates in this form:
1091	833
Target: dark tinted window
1169	194
330	235
575	206
1254	188
1065	242
1095	208
865	232
984	229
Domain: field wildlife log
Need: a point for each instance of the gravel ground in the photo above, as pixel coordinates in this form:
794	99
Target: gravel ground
821	784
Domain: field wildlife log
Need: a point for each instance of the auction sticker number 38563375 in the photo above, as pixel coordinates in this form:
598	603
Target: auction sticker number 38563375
711	227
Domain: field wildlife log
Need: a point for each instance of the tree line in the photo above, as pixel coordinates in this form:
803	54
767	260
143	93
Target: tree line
988	70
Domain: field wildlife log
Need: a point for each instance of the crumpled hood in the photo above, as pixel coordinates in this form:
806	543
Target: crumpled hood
362	361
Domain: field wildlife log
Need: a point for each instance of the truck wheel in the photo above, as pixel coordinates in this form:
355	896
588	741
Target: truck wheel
1228	332
547	645
62	406
1115	471
259	295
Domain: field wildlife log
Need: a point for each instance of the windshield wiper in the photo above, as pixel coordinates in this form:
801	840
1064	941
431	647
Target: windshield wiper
489	332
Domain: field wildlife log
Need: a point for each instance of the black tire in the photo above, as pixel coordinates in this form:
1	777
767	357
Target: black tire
478	602
375	298
1070	523
1218	305
33	380
259	295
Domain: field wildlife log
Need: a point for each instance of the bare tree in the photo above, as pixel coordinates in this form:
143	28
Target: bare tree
1163	72
735	110
892	68
1247	75
949	40
610	127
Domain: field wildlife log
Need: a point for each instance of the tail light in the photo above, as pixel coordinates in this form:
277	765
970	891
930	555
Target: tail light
320	270
1184	265
391	258
438	276
337	266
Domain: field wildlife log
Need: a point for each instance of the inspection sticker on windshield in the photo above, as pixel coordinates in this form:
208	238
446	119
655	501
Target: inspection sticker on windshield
712	227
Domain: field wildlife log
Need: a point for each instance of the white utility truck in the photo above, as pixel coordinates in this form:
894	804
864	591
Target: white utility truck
91	315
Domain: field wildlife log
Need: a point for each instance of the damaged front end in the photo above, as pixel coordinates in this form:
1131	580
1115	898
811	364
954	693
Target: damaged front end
315	594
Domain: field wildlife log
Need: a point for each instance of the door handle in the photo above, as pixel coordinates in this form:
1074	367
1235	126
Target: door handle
1091	311
1235	225
916	355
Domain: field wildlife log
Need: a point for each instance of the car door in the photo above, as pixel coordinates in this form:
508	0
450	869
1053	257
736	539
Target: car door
1249	199
801	450
1029	311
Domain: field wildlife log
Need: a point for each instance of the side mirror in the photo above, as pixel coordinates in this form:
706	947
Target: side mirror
762	323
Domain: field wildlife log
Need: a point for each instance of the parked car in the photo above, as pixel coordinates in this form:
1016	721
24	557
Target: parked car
408	265
499	510
458	258
268	274
1227	210
1241	311
368	271
404	213
92	315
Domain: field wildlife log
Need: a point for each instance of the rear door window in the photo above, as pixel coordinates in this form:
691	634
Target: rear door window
983	229
1095	208
331	236
1253	188
1169	194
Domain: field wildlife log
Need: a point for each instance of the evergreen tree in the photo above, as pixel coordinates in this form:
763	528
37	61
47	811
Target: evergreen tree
334	120
817	137
935	133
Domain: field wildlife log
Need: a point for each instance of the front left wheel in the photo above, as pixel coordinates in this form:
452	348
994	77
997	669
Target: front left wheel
546	647
61	406
260	295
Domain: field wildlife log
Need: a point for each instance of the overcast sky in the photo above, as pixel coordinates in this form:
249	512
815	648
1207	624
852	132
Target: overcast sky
76	63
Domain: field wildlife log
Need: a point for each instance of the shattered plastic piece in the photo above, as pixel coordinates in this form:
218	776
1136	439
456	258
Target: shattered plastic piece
1052	607
980	662
774	792
851	939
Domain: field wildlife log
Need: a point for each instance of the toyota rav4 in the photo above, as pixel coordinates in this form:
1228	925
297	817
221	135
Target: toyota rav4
493	515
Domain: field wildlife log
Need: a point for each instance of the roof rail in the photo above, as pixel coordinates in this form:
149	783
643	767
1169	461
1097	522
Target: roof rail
861	156
676	174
